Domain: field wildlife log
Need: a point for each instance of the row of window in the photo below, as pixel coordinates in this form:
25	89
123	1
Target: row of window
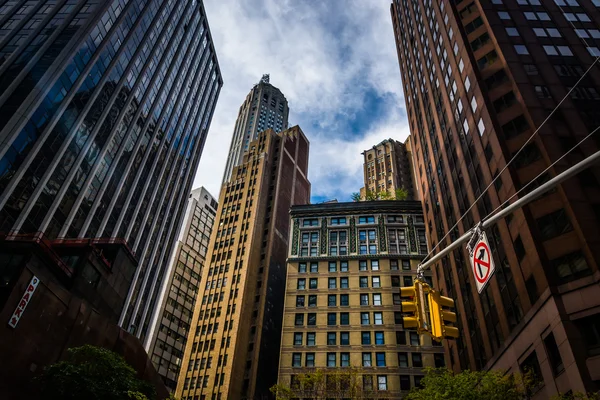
367	360
363	282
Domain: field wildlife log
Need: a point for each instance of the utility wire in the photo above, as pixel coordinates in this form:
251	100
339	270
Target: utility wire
516	154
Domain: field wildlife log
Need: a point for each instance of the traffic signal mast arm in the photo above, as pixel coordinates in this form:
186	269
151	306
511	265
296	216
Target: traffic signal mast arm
580	166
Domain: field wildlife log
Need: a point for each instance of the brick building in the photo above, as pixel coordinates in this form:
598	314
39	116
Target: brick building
479	78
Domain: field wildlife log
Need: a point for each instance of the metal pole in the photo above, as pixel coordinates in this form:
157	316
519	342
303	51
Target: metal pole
563	176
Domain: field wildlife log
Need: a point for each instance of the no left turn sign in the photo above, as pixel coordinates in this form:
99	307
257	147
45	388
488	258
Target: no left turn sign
482	263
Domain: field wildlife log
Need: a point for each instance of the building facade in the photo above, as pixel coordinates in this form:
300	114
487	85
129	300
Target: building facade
171	321
347	262
480	78
104	110
233	345
265	107
388	166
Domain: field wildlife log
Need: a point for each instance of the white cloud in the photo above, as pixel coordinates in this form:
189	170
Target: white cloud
324	56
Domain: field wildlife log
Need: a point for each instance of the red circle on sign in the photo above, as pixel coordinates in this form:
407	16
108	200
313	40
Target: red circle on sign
477	261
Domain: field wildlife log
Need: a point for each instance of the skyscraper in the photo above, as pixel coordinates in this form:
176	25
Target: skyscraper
104	109
171	321
346	264
480	78
233	345
265	107
387	167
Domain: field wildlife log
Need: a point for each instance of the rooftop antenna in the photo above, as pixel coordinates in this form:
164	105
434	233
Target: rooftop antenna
265	78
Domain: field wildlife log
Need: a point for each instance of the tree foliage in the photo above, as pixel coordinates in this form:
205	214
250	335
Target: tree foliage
577	396
443	384
399	194
325	384
93	373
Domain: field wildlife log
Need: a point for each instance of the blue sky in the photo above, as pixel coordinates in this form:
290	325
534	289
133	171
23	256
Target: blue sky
336	63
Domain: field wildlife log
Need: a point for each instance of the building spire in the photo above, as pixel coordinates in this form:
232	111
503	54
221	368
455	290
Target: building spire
265	78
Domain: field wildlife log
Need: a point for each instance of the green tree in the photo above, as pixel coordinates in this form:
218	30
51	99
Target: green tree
92	373
385	195
370	195
355	196
443	384
325	384
401	194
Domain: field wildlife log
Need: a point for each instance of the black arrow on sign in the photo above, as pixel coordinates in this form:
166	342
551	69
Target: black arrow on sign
480	257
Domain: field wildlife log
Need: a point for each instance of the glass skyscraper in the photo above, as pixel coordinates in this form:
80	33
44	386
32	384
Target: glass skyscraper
104	110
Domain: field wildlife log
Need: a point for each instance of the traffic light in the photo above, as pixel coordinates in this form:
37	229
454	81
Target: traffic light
415	306
441	315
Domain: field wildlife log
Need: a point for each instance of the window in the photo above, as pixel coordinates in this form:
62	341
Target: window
296	359
417	360
344	318
531	365
366	219
364	318
331	362
338	243
403	360
299	301
439	360
534	16
594	51
312	319
332	283
299	319
345	338
375	265
314	267
476	23
515	127
362	265
368	379
396	300
542	92
301	285
512	31
401	338
378	317
521	49
379	338
313	283
366	360
331	340
310	222
312	301
344	266
331	300
331	319
415	340
297	339
344	283
344	300
503	15
397	241
553	354
332	266
365	338
589	327
310	244
382	382
310	360
404	382
302	268
480	41
376	299
480	127
570	267
556	50
310	339
393	265
407	280
519	248
338	221
380	359
345	359
363	281
375	282
554	224
364	299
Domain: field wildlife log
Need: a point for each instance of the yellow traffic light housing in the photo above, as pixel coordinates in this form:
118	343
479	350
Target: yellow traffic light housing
416	307
441	315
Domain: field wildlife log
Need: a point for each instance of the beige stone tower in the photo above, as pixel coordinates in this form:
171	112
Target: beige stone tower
233	346
387	167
